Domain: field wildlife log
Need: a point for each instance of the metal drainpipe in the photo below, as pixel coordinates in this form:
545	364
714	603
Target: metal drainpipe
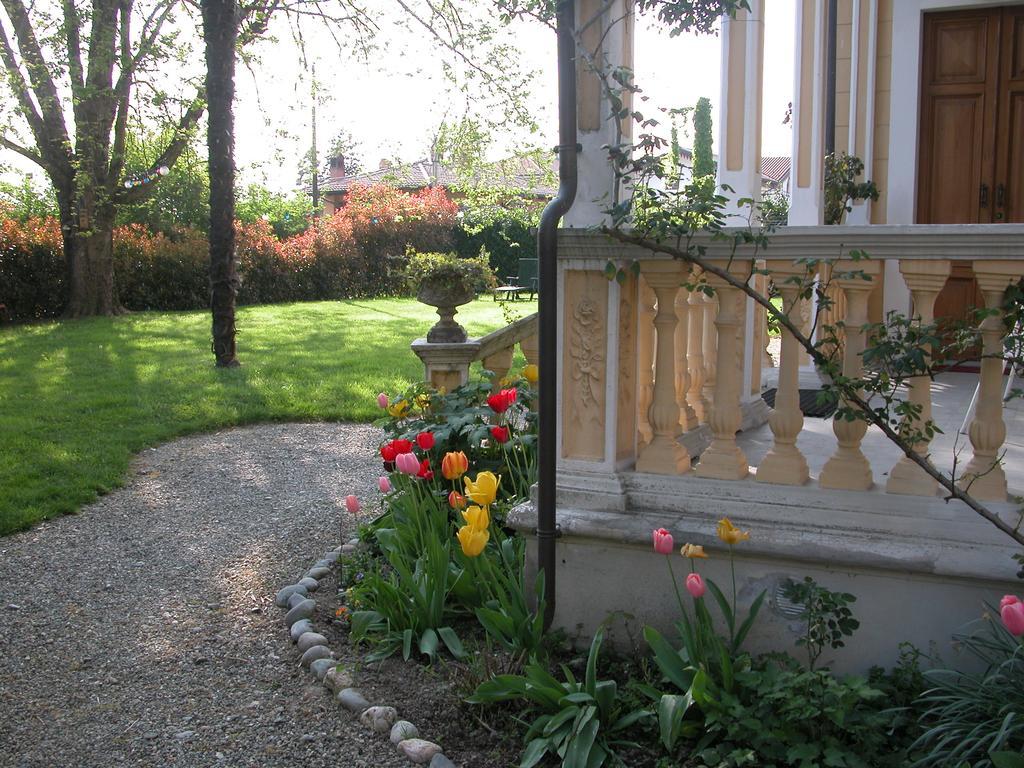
547	252
830	79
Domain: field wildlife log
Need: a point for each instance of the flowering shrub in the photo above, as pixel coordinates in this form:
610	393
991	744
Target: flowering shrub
357	252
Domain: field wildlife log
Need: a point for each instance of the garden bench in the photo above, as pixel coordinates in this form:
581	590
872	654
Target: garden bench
517	285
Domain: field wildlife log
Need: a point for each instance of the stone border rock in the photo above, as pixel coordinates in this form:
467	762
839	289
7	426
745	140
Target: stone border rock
296	599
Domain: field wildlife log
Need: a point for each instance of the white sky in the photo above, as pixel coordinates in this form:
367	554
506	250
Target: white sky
393	106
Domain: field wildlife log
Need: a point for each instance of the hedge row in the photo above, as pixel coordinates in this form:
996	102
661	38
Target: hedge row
354	253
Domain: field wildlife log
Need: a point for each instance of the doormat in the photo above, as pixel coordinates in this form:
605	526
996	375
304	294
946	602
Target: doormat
808	403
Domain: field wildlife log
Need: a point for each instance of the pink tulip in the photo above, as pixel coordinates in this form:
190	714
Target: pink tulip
383	400
1013	618
1008	600
663	543
407	463
695	585
384	484
352	504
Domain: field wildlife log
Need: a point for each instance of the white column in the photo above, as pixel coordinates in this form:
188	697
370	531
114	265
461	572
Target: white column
739	123
806	176
606	42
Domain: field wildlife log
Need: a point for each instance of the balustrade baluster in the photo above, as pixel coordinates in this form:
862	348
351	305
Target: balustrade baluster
849	469
984	477
687	416
710	351
663	454
695	353
785	464
925	278
645	356
724	459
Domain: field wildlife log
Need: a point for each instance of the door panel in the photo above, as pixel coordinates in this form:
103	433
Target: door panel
959	74
1009	175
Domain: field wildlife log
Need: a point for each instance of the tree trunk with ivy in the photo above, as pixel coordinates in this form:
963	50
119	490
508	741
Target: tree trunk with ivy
220	29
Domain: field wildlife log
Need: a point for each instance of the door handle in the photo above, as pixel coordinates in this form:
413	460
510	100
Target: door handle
983	196
1001	196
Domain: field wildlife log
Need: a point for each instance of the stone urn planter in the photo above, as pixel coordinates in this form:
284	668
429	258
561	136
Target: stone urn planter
446	296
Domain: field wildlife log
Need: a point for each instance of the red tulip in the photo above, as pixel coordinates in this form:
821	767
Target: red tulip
499	403
663	543
1013	618
425	440
352	504
509	395
425	472
695	585
402	446
388	452
501	434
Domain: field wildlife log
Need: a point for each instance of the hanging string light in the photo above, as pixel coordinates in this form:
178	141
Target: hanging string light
147	178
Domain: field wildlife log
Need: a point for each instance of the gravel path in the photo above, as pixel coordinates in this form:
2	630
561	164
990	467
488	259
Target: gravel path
142	631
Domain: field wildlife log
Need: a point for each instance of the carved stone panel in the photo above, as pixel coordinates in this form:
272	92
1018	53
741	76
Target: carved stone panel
584	365
625	440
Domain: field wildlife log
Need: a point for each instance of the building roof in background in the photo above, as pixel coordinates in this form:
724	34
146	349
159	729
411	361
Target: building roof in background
520	173
775	168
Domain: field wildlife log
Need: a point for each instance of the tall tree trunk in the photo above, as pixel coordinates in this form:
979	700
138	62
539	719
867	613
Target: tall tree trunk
89	253
220	28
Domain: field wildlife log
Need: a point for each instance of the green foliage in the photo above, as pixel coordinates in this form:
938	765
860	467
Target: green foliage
178	201
27	199
703	149
580	722
287	215
842	188
502	225
774	208
968	716
782	715
448	269
827	616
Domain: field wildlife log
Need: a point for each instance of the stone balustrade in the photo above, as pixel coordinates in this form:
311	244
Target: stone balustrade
637	390
446	365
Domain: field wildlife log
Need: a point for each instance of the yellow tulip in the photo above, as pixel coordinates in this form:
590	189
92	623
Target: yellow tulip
483	490
531	373
477	517
472	540
729	533
693	551
399	409
423	402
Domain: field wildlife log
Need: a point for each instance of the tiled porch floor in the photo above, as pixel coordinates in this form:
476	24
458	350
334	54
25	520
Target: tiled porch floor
951	397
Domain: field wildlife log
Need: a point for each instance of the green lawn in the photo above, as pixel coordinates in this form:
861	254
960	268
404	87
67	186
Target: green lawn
78	399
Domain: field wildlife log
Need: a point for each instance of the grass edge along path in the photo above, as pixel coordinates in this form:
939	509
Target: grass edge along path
78	399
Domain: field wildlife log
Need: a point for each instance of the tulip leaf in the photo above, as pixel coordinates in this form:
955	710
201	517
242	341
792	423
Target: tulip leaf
534	753
451	640
605	692
595	649
671	711
748	622
577	754
1007	759
723	604
407	644
668	660
580	697
563	717
428	643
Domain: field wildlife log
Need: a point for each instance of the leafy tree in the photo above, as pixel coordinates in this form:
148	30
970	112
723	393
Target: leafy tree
78	71
288	215
703	149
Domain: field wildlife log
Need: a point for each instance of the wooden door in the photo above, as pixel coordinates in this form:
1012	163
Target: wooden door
971	142
959	76
1008	192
